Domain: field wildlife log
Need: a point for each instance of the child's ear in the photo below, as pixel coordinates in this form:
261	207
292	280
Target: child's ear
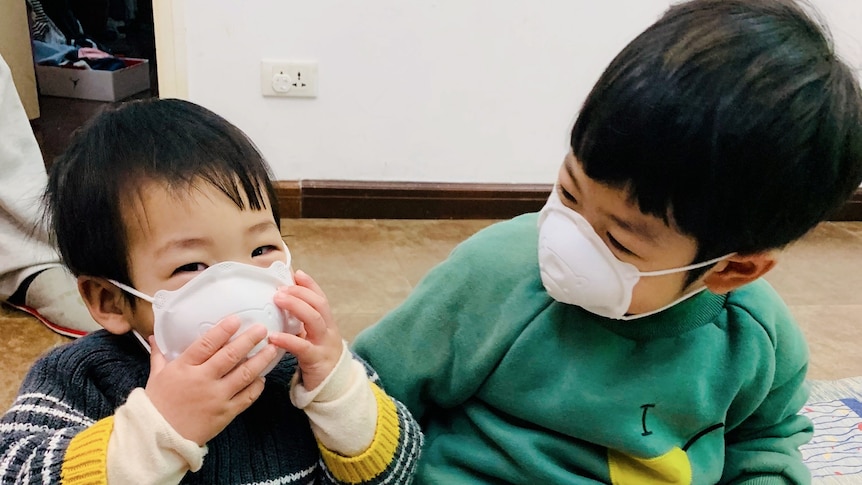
738	270
106	302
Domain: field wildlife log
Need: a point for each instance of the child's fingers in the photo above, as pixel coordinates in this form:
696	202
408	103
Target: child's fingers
303	279
314	323
246	373
235	351
205	347
157	358
290	343
248	395
316	301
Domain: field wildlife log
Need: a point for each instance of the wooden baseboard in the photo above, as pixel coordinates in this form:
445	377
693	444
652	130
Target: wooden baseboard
289	195
852	210
408	200
426	200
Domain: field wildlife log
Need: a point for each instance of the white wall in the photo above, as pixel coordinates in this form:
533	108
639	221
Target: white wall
438	90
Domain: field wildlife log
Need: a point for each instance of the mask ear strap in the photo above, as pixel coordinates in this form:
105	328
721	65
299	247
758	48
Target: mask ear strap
685	268
143	342
142	296
675	302
130	290
287	251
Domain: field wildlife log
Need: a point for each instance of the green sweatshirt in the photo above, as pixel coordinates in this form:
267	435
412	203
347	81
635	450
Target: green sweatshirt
511	386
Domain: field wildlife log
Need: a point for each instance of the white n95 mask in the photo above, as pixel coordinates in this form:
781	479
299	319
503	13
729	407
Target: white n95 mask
578	268
228	288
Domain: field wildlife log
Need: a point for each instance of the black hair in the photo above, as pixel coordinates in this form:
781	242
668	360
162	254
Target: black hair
165	140
735	118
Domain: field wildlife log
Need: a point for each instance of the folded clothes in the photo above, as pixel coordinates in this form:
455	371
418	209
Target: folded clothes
48	54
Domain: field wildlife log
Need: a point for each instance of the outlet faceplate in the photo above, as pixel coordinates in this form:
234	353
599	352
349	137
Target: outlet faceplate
296	79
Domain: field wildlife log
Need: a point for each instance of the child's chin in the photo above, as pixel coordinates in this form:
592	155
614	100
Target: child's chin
637	309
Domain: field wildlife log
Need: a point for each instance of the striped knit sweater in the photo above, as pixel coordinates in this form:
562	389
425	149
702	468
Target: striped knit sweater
74	390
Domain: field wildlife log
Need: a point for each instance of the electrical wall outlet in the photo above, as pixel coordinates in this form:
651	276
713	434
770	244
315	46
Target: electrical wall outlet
296	79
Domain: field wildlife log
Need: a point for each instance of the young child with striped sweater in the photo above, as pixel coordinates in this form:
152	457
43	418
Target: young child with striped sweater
149	199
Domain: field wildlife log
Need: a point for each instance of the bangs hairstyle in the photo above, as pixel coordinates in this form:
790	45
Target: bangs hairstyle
170	141
733	117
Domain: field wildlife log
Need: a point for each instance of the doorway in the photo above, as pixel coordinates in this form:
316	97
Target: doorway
120	28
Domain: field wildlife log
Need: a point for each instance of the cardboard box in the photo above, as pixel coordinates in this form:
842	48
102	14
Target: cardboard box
73	82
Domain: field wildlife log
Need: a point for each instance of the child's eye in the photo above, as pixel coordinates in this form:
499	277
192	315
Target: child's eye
190	268
568	196
619	246
262	250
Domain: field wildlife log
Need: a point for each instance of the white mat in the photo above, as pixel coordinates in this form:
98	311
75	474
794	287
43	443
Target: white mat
834	454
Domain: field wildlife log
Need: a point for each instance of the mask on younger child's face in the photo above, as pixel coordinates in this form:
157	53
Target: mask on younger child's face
228	288
578	268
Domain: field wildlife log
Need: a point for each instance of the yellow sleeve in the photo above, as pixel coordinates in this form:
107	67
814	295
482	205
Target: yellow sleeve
135	445
342	410
86	459
380	454
145	449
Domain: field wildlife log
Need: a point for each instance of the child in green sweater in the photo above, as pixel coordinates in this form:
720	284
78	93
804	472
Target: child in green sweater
623	334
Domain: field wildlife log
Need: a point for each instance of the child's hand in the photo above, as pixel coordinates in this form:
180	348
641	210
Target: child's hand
201	391
320	348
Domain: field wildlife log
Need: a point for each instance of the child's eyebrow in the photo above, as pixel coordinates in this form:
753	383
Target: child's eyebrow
571	171
261	227
188	243
636	227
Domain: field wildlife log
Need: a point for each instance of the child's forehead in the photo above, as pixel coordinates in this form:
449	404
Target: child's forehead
140	194
150	199
186	189
621	196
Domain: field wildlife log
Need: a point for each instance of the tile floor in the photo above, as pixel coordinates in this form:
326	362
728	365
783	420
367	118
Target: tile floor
367	267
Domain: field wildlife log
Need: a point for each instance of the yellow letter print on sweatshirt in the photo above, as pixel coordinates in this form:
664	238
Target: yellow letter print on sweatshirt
672	468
